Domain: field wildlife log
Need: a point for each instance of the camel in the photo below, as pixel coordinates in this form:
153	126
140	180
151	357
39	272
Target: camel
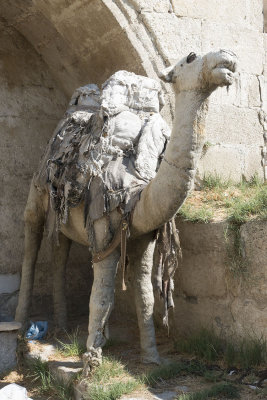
193	78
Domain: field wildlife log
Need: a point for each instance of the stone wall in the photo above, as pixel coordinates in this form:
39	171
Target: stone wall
30	107
50	47
211	290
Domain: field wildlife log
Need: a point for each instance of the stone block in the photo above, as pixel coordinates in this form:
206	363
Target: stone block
244	92
65	371
248	318
8	346
207	312
8	304
248	45
245	13
151	5
225	161
253	162
202	238
226	124
9	283
211	282
172	34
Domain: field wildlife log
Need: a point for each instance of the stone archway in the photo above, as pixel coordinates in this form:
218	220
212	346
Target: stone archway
48	49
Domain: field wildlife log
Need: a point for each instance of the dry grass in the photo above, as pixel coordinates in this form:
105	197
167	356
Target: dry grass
219	199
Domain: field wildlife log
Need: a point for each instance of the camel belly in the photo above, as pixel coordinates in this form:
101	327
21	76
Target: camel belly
74	229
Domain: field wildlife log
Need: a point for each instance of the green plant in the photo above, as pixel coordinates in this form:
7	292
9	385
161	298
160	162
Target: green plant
111	391
39	373
204	343
215	182
172	370
247	352
73	347
110	381
227	390
251	352
200	214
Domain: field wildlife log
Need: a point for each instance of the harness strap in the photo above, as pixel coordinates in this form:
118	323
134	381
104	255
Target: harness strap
120	237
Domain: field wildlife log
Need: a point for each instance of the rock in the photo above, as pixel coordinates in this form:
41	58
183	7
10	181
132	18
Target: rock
182	388
165	396
14	392
8	346
10	326
65	370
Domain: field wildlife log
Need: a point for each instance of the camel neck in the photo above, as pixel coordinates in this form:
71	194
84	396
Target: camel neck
165	194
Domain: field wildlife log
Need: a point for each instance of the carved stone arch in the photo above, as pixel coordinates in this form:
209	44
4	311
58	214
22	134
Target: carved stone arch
81	41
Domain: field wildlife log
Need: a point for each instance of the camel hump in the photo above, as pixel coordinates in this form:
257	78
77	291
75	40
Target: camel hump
106	148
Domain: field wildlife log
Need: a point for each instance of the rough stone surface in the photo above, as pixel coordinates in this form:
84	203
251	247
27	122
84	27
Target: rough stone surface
50	48
65	371
9	326
208	292
246	13
8	346
9	283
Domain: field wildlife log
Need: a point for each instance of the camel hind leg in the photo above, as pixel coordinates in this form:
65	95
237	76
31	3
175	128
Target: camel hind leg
60	253
34	217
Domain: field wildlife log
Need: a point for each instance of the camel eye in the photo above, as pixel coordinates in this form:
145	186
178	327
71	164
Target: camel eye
191	57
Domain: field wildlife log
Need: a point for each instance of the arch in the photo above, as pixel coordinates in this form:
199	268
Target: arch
81	41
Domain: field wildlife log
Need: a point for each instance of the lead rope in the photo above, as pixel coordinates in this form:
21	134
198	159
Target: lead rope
124	234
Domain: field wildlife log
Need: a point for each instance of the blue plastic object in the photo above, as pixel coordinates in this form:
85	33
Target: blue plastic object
37	330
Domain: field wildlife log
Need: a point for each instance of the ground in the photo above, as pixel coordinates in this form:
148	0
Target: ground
185	376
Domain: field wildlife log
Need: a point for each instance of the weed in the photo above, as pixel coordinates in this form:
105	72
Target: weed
235	202
111	391
227	390
251	352
39	372
110	381
244	208
205	344
245	353
215	182
172	370
200	214
74	347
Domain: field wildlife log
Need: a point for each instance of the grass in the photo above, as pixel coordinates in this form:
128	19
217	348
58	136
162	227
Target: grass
223	390
245	353
204	344
110	381
73	347
222	199
47	383
172	370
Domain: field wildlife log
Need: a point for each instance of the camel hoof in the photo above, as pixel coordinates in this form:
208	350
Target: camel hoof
91	359
151	359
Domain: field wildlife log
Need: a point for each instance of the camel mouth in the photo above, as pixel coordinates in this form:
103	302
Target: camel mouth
229	65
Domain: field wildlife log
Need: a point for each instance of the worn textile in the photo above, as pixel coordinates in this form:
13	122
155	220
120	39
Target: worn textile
105	150
167	255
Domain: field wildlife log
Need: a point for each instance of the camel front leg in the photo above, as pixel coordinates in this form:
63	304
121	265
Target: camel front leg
102	295
102	299
141	261
60	253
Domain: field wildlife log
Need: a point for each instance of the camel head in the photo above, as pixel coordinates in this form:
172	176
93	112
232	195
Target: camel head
202	73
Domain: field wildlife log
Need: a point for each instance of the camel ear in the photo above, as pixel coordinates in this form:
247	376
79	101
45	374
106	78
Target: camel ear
167	74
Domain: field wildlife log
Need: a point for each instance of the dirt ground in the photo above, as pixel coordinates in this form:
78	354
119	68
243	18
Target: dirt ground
125	348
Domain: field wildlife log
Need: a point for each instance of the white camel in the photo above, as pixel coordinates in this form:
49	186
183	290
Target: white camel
194	78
